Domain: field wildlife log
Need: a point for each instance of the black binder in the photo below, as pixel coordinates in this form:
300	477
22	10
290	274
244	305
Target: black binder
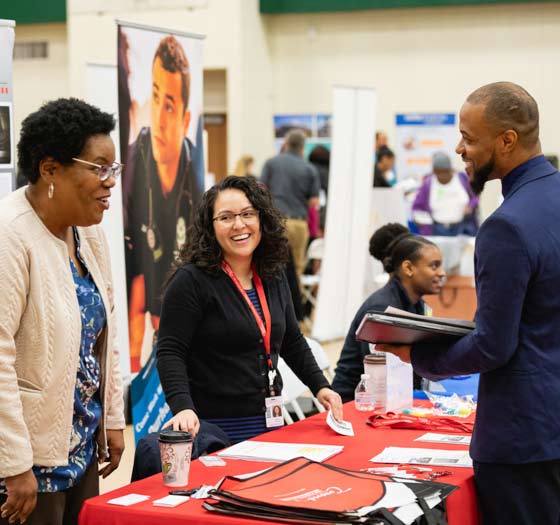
390	328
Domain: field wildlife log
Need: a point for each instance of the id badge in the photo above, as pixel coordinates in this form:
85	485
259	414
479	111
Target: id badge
274	417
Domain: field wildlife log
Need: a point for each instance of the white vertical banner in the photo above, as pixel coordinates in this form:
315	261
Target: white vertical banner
7	147
344	265
101	91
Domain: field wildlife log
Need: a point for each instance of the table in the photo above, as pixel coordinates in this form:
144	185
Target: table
457	298
461	505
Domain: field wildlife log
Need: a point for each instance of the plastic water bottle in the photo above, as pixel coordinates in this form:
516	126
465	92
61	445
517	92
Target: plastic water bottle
363	397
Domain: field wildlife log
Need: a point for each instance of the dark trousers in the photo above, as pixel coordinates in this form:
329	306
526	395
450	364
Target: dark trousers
62	508
526	494
449	230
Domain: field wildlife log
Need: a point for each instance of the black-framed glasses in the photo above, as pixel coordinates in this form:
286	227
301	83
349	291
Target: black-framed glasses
104	171
247	216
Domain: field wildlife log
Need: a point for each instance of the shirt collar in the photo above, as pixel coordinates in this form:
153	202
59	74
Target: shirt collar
409	306
516	173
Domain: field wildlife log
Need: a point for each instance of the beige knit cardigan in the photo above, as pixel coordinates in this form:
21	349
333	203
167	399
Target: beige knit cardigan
40	330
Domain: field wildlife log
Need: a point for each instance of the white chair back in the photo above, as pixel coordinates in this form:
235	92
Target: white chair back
294	388
321	357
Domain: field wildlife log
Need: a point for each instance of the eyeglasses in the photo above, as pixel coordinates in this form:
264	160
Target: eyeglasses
104	171
247	216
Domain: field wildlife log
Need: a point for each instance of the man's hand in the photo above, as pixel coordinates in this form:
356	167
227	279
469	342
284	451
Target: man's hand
22	497
331	400
401	351
186	420
115	444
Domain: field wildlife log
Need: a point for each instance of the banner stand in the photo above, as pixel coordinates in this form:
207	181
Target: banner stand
343	270
7	139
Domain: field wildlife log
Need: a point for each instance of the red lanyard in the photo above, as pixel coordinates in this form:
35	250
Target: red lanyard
266	327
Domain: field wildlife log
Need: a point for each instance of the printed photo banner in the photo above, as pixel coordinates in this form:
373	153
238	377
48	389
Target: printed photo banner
7	147
316	127
419	136
160	124
160	127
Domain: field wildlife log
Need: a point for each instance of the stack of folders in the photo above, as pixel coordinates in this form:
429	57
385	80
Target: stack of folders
306	492
394	326
278	452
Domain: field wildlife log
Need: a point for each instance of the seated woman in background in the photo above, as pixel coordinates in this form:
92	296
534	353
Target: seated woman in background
415	268
227	316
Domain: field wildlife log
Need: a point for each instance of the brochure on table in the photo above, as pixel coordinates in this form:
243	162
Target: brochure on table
278	452
424	456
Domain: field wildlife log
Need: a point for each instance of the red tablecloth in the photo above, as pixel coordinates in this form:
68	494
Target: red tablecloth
368	442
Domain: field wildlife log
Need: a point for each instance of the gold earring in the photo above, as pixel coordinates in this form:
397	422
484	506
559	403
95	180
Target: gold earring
51	190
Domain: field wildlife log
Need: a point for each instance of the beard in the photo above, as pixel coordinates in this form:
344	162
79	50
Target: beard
481	175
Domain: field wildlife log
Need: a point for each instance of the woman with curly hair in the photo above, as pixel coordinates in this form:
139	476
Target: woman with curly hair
60	384
414	265
227	316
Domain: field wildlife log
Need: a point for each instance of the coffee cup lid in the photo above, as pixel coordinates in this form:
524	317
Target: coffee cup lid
375	359
174	436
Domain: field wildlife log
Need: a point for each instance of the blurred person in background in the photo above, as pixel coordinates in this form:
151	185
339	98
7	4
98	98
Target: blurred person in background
320	157
445	203
380	140
244	166
294	185
383	176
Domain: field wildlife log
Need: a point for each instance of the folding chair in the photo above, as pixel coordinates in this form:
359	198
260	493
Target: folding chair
321	357
293	388
309	282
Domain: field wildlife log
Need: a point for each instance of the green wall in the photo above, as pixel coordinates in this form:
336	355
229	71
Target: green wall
310	6
33	11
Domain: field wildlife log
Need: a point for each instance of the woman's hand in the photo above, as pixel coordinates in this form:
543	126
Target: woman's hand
115	445
331	400
22	497
186	420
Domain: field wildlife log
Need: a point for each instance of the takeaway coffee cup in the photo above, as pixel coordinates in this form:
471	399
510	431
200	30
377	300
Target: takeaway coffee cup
175	449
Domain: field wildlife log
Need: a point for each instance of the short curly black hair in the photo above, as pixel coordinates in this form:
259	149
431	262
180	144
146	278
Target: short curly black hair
202	248
393	244
59	129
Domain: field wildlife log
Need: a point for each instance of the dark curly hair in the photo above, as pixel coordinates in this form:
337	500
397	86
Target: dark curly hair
59	129
393	244
203	249
173	59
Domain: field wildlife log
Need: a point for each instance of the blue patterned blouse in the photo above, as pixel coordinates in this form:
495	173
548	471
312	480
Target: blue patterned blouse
87	401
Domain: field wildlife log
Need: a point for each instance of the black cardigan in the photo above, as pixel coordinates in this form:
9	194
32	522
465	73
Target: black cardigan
211	356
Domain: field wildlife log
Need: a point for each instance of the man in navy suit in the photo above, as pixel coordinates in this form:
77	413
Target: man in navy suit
516	343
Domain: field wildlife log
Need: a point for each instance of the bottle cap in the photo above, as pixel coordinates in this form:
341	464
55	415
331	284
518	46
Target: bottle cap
365	376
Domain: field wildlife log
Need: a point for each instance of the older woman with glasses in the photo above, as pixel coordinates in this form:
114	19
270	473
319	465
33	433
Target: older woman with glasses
227	316
60	385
